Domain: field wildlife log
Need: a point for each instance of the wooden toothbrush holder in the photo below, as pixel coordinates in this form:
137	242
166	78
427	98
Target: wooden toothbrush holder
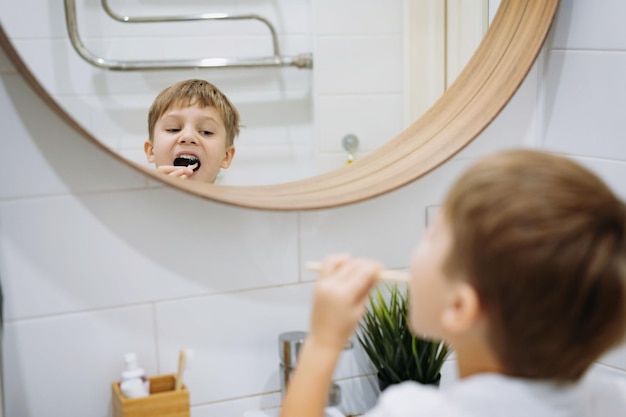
163	400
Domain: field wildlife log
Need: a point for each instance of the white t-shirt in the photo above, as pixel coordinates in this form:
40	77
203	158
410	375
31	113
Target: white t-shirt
492	395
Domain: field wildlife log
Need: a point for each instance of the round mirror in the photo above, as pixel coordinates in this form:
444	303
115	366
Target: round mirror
480	91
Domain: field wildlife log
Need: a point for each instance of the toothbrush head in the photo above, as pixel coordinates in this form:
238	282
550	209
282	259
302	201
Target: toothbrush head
190	161
183	359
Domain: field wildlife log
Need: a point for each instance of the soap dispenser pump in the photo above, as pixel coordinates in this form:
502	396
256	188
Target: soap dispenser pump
134	383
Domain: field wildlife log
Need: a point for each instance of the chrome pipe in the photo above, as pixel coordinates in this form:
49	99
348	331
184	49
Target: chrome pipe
303	61
188	18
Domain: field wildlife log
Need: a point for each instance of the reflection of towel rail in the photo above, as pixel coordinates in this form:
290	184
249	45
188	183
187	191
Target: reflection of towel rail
186	18
276	60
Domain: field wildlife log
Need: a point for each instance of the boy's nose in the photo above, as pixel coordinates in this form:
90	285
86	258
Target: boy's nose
187	137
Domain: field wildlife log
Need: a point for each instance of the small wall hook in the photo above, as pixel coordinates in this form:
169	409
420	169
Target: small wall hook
350	144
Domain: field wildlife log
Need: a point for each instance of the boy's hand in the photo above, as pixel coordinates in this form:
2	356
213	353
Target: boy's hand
175	171
340	295
339	303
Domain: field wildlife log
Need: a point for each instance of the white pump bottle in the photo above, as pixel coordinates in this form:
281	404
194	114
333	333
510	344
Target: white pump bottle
134	383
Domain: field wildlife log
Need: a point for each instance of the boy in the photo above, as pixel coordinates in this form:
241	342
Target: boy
523	274
192	127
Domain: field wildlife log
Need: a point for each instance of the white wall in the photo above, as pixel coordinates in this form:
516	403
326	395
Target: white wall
96	261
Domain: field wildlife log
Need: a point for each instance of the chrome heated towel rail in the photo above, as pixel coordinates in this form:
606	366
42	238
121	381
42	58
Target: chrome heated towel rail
276	60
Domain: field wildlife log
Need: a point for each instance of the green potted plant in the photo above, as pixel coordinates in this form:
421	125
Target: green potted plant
395	352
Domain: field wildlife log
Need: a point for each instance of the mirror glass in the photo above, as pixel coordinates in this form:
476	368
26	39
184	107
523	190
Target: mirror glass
376	67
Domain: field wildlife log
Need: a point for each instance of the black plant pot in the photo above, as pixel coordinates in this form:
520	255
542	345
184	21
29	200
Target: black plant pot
383	385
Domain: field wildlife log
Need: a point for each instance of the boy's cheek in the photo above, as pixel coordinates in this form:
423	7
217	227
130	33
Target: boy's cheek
415	319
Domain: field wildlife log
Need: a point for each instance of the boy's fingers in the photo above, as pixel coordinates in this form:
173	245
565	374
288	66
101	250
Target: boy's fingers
367	273
332	263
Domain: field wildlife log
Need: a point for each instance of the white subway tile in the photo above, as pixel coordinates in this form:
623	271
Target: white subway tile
356	17
79	109
65	365
268	164
590	25
47	156
374	119
261	165
68	75
119	121
33	19
325	162
234	338
136	156
238	407
359	64
386	228
107	249
585	102
288	16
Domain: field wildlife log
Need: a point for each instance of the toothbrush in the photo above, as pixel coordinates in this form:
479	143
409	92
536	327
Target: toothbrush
182	363
385	275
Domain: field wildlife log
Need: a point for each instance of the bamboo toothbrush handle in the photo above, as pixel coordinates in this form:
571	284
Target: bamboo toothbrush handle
385	275
181	367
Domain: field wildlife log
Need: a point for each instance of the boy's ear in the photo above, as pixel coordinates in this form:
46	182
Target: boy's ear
148	149
228	157
462	311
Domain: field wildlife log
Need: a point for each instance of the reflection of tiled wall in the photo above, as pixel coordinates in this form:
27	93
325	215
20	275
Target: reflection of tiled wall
281	122
359	77
96	261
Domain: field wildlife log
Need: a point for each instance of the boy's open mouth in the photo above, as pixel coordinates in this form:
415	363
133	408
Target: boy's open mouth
187	161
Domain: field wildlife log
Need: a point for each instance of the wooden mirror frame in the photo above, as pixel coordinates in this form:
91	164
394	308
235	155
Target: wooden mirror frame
479	93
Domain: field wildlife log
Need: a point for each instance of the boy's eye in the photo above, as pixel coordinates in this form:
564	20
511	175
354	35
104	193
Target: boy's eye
206	132
172	130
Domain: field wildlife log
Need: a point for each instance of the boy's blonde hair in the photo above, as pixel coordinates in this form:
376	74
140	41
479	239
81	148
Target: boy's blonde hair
195	92
542	240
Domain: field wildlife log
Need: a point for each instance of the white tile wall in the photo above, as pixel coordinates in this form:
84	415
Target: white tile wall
64	365
373	118
386	228
590	25
54	162
234	338
352	65
138	263
96	261
355	17
359	76
579	85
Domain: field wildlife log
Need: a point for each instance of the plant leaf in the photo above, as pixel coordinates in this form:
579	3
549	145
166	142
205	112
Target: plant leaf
385	336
